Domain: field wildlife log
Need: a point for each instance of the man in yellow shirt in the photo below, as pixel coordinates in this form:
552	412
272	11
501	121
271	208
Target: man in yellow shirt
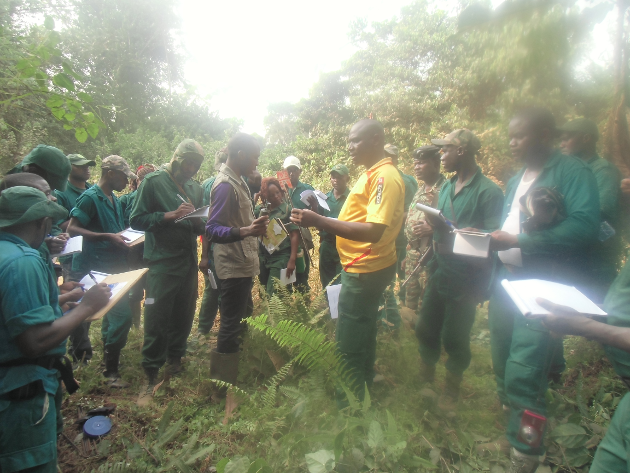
366	231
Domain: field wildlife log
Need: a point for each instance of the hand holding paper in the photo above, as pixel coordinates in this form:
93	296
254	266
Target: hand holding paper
319	195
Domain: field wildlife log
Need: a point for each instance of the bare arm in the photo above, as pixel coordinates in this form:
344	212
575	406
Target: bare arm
38	339
76	228
295	243
566	321
356	231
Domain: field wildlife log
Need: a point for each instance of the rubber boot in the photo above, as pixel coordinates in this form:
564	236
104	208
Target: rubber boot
173	367
224	367
427	373
146	393
448	401
136	313
112	357
522	463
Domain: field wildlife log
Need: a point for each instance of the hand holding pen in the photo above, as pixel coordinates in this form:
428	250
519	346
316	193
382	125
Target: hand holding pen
184	209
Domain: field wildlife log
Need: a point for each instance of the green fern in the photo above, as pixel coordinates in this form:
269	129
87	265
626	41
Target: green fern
313	350
120	467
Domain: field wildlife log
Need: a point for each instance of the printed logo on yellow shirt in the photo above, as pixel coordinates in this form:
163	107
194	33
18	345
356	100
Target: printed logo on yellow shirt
379	189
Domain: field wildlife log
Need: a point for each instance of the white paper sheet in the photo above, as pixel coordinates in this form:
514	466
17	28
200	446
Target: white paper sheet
333	300
472	244
87	280
116	288
525	292
202	212
319	195
132	234
73	245
283	277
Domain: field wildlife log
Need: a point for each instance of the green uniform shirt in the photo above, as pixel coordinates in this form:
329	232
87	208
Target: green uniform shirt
169	247
283	253
295	195
126	202
335	207
97	214
411	187
69	197
207	189
578	232
28	296
608	180
478	204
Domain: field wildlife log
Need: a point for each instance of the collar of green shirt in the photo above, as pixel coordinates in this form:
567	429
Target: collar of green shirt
76	189
469	182
331	195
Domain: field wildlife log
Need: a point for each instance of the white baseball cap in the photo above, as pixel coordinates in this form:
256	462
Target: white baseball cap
291	161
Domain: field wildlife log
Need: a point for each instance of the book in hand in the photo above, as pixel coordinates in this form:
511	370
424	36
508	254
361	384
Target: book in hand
319	195
475	244
435	216
134	237
73	245
284	280
525	292
201	212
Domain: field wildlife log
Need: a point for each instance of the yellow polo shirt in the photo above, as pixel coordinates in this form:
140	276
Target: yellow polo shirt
377	197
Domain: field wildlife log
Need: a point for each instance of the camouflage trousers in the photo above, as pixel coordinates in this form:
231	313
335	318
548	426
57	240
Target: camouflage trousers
416	284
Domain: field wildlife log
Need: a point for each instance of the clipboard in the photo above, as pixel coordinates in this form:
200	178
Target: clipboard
129	279
135	242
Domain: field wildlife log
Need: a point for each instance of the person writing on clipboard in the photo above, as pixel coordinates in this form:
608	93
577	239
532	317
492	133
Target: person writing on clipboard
170	250
366	231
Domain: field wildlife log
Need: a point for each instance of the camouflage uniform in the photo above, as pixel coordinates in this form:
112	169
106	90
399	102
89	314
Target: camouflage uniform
416	247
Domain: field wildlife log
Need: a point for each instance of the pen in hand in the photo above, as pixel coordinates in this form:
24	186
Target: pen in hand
92	277
182	199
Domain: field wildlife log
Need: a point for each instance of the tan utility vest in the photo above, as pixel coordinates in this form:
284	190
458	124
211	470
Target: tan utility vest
240	258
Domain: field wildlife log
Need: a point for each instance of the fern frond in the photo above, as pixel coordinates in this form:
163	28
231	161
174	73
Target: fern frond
120	467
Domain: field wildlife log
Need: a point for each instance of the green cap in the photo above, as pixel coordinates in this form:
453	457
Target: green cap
80	160
53	161
118	163
21	204
189	148
581	125
340	169
391	150
461	137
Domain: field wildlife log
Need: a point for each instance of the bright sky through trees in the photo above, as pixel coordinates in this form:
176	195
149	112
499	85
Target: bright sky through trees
271	51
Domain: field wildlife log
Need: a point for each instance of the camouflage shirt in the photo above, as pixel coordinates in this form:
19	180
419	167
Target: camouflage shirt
426	196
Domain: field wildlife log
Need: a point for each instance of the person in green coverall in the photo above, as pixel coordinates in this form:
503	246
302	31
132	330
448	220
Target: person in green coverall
456	284
211	296
293	166
390	314
135	252
329	262
285	255
33	333
170	249
97	216
80	345
523	349
579	138
613	452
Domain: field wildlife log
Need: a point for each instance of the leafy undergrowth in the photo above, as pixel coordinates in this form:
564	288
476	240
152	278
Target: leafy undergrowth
287	419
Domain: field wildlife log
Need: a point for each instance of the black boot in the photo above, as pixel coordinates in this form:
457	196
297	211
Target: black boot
173	367
448	401
112	358
224	367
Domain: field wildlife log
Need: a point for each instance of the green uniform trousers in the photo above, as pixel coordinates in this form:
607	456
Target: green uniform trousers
329	263
28	437
301	279
356	326
210	301
446	318
613	452
169	310
523	351
116	325
389	315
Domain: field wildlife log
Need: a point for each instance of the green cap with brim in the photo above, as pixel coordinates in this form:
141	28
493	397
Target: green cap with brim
340	169
581	125
53	161
80	160
21	204
461	137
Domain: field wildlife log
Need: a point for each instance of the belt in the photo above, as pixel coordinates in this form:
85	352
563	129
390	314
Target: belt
58	362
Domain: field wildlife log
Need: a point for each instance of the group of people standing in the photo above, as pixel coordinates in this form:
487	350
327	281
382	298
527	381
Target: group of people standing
558	220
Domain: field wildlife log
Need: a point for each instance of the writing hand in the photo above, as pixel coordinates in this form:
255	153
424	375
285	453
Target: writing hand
183	209
55	245
97	296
